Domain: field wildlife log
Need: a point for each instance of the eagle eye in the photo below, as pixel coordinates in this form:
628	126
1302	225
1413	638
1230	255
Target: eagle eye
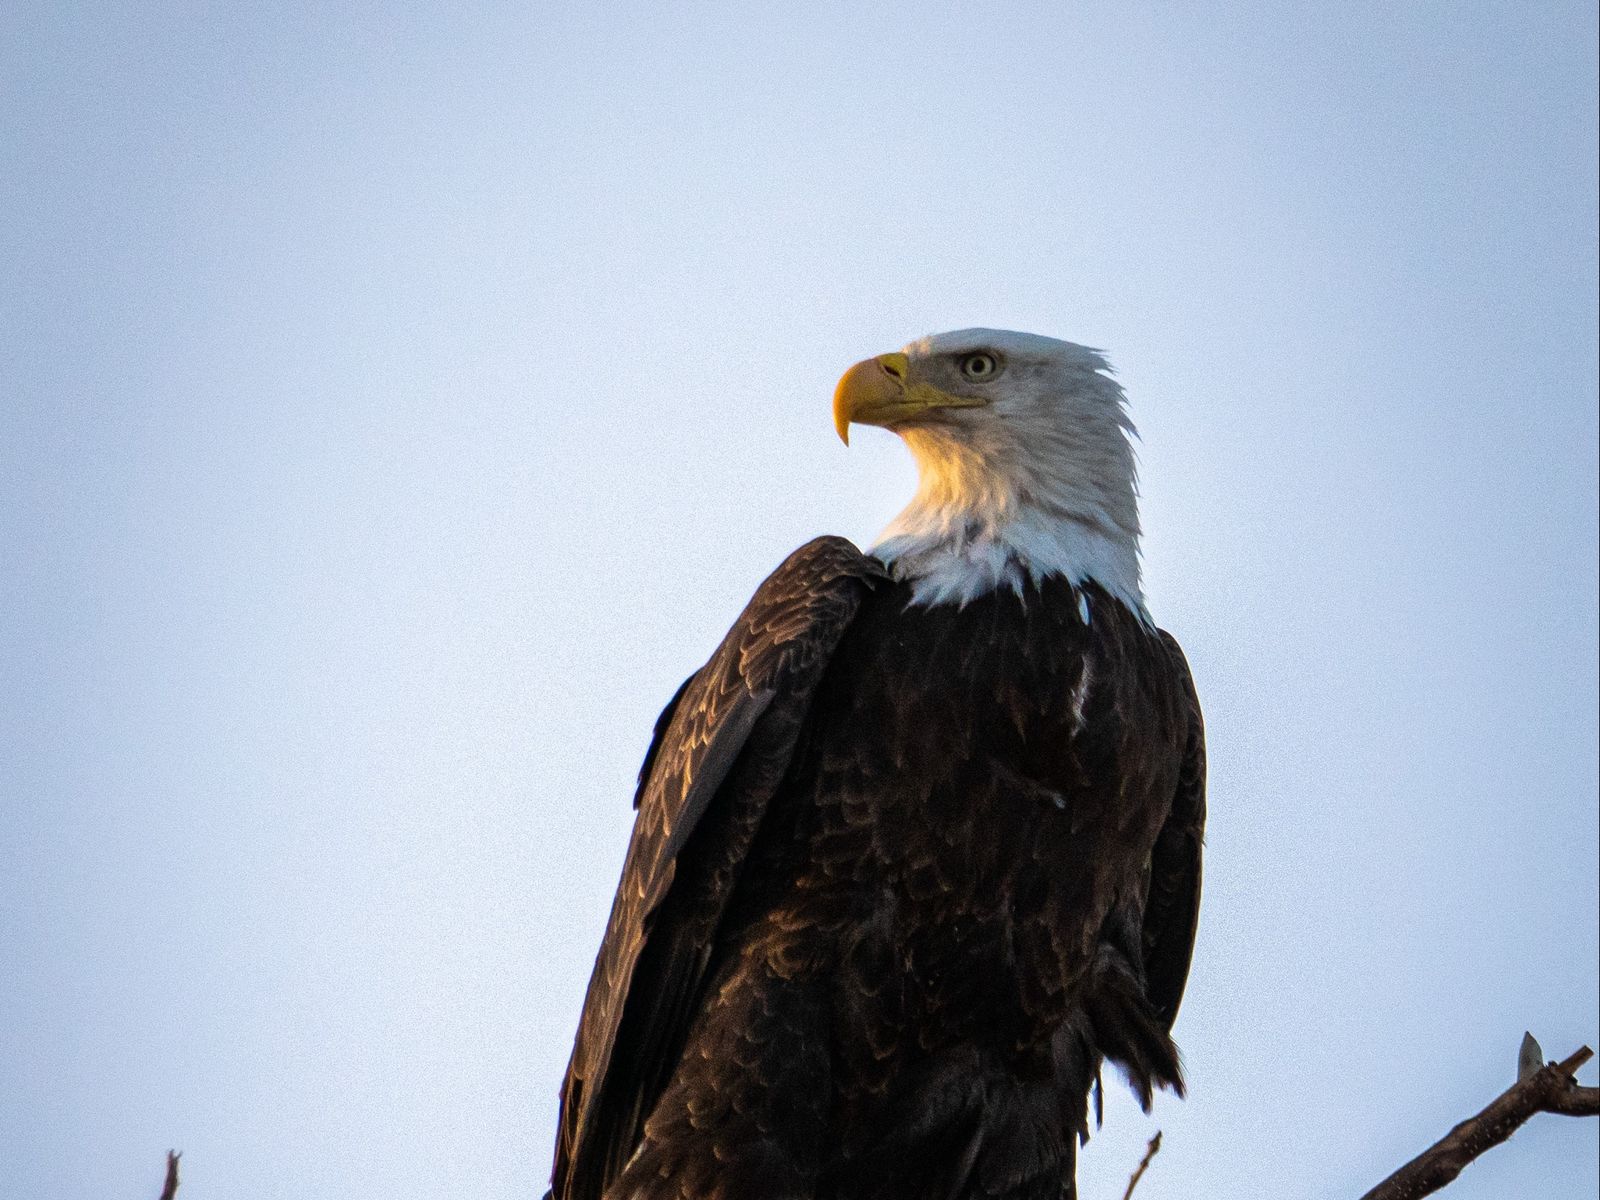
979	366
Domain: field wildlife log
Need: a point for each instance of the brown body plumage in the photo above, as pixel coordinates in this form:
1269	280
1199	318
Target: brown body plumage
903	874
889	965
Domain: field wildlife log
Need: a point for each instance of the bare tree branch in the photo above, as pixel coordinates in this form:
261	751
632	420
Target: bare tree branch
1551	1088
170	1189
1138	1173
1576	1102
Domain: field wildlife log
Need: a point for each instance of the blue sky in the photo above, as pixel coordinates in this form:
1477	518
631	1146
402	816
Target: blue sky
396	403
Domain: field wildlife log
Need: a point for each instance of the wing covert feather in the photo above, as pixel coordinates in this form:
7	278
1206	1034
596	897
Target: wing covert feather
733	723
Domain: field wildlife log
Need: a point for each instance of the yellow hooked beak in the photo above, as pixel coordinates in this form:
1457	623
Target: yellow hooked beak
874	392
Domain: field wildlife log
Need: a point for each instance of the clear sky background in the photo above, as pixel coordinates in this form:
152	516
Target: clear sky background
396	403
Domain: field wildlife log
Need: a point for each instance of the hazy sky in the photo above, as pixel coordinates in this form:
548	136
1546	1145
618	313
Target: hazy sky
395	404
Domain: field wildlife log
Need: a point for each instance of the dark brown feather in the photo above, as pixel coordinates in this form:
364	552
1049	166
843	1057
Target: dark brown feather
651	964
902	877
1172	909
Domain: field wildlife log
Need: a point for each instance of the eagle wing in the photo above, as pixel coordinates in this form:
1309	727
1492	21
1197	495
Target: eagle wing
1172	906
720	748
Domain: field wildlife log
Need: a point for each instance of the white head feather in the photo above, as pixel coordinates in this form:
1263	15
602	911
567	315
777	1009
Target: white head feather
1040	481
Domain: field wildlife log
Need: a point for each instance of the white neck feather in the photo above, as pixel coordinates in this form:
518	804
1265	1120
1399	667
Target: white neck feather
1013	502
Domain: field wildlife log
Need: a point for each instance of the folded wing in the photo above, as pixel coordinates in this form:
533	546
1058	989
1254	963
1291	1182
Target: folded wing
720	749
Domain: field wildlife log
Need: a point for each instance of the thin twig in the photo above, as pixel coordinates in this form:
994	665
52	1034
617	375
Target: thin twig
1549	1089
1138	1173
171	1187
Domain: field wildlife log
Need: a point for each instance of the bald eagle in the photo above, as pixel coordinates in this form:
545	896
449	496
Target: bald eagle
919	847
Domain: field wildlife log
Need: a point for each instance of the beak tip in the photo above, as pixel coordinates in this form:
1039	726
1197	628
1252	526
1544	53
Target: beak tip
841	413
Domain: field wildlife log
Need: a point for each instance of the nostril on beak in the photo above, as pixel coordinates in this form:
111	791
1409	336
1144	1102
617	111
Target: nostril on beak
893	365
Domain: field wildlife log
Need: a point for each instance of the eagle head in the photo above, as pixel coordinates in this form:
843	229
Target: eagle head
1026	467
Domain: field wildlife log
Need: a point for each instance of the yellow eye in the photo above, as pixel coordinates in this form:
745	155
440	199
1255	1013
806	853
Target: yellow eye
979	366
